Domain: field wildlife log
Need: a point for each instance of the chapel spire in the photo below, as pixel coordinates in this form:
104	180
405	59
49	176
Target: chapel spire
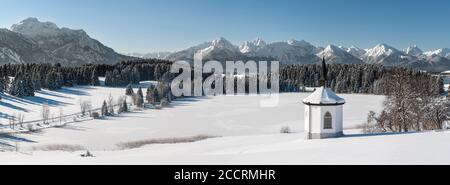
323	74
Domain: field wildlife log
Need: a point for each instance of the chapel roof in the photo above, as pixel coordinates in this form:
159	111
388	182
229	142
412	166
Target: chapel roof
323	96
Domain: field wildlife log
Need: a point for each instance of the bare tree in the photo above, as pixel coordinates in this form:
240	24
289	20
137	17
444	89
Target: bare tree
61	114
438	113
85	107
12	121
110	103
45	113
20	119
412	104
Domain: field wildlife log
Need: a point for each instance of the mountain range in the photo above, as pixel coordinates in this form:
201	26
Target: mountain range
33	41
302	52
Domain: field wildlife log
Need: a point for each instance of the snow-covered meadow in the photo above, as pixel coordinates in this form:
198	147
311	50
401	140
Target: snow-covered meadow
245	133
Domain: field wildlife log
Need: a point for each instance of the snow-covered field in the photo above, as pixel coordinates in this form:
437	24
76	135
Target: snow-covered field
246	133
418	148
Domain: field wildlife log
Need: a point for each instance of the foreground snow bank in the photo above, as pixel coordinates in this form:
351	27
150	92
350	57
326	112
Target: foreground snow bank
414	148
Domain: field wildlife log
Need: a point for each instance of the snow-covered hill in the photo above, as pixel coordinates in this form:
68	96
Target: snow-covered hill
53	45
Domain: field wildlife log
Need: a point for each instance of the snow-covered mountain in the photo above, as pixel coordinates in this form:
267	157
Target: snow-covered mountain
413	51
335	54
54	44
17	49
444	52
290	52
252	46
355	51
33	41
220	49
303	52
386	55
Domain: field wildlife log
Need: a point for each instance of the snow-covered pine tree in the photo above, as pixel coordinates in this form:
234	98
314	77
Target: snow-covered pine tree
21	86
124	105
104	110
28	86
155	97
149	94
129	91
116	78
50	81
139	92
36	80
109	79
94	78
135	76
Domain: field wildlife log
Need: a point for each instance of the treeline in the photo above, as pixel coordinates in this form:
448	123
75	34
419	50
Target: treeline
342	78
133	72
350	78
29	78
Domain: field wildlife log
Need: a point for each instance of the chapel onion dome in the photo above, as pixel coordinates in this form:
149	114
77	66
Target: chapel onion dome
324	96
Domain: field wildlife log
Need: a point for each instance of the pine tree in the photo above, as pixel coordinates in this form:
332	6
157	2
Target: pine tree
124	106
28	86
36	80
139	92
21	86
155	97
129	91
94	78
109	79
105	109
149	94
4	81
135	76
50	81
140	100
59	80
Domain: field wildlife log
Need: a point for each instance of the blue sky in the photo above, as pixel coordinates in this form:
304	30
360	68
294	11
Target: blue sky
160	25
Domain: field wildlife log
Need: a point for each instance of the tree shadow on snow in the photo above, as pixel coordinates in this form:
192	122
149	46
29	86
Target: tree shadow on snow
13	138
4	104
74	91
41	101
2	144
34	100
48	93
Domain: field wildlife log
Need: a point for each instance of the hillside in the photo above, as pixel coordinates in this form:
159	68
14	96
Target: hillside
33	41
